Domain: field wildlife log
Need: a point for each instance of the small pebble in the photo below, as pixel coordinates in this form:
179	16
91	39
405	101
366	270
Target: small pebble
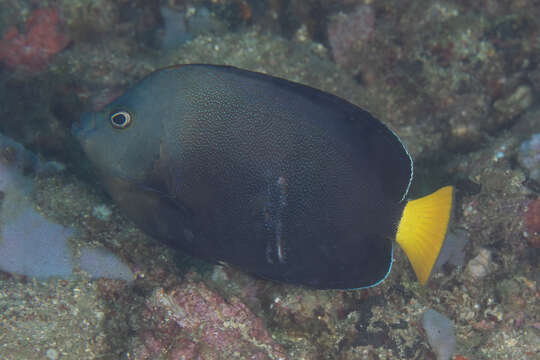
102	212
440	334
481	265
516	102
52	354
529	156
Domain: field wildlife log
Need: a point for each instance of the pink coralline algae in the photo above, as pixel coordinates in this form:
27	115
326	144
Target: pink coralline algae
31	50
350	31
532	222
194	322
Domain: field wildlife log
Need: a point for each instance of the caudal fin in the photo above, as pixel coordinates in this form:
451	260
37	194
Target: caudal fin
422	230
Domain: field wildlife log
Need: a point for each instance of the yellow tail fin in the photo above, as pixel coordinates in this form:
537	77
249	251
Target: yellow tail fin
422	230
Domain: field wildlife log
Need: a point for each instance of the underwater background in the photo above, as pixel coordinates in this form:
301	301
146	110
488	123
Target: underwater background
458	81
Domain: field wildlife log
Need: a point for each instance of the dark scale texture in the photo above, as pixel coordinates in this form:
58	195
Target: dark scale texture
276	178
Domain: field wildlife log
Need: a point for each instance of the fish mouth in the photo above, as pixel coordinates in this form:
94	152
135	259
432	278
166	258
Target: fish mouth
84	127
87	133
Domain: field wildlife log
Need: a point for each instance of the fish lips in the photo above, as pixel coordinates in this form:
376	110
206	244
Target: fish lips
87	133
83	130
84	127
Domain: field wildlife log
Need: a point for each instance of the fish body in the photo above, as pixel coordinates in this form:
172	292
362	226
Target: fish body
279	179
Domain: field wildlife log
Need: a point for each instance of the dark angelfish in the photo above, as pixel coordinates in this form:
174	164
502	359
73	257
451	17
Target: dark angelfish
276	178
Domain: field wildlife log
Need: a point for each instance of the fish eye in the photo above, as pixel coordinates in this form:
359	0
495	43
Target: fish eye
120	119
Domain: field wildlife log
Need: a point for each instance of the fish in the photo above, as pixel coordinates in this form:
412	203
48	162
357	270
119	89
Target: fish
278	179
